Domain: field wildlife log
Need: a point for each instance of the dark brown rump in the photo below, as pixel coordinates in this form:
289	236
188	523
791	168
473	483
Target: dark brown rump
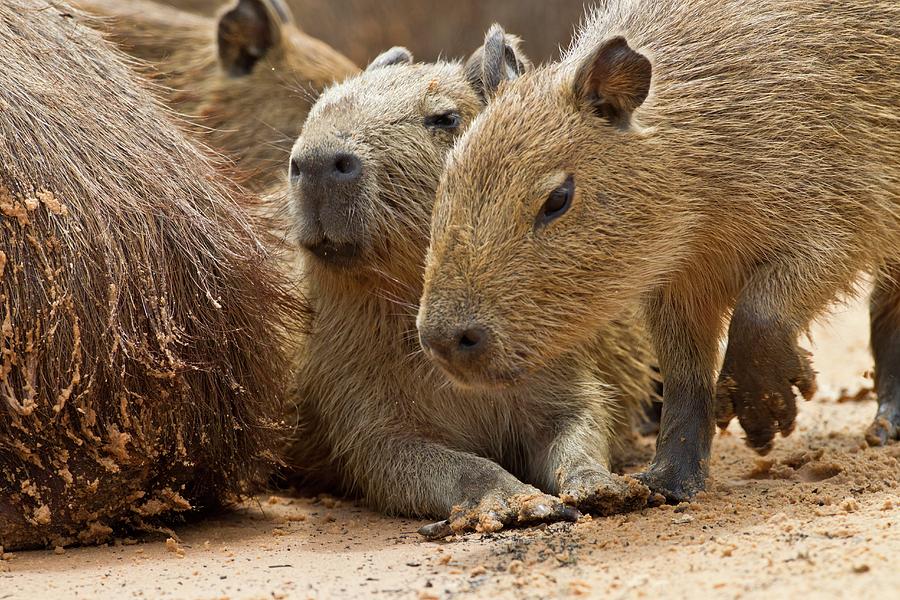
142	360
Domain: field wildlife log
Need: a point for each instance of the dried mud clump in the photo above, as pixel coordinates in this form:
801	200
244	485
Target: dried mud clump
141	360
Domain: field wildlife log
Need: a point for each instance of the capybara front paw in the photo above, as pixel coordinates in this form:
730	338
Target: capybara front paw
758	386
673	485
603	493
498	511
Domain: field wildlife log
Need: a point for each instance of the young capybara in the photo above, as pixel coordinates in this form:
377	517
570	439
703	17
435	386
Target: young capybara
142	366
705	159
249	76
430	29
377	417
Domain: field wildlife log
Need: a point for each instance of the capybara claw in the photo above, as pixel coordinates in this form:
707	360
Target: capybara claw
569	514
436	531
547	513
761	448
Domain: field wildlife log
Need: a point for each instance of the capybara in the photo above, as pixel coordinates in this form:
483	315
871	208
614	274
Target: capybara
377	418
142	367
248	76
430	29
704	159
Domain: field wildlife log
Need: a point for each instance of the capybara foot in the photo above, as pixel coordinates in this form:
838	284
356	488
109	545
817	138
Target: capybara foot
603	493
757	385
672	484
885	428
498	510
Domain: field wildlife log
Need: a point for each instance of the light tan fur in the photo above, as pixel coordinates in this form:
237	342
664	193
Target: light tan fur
253	118
142	368
362	28
759	176
391	426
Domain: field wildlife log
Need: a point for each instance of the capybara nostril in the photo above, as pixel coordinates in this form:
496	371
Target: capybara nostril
455	347
472	340
294	171
347	167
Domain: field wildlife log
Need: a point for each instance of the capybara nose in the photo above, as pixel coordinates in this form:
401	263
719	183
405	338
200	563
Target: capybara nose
326	169
458	347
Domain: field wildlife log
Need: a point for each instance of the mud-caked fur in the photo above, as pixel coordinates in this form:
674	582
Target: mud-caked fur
392	427
728	158
247	76
141	365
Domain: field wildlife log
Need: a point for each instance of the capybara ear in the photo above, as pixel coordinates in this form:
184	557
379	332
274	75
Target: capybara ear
499	59
247	31
398	55
614	80
280	10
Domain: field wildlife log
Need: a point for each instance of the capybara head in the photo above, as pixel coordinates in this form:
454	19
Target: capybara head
364	171
248	77
536	217
270	70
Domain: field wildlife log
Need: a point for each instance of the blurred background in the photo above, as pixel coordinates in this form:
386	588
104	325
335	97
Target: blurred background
361	29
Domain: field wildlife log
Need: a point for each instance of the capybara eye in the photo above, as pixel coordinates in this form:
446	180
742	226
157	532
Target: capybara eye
294	170
447	120
558	202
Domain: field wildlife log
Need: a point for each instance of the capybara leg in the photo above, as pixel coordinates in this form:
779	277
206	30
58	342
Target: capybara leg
763	366
885	322
575	466
685	335
421	477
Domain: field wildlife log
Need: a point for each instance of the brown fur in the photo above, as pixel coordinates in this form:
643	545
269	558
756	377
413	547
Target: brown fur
252	117
362	28
758	174
141	368
390	426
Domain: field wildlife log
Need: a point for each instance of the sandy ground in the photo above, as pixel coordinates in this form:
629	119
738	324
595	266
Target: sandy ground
819	517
